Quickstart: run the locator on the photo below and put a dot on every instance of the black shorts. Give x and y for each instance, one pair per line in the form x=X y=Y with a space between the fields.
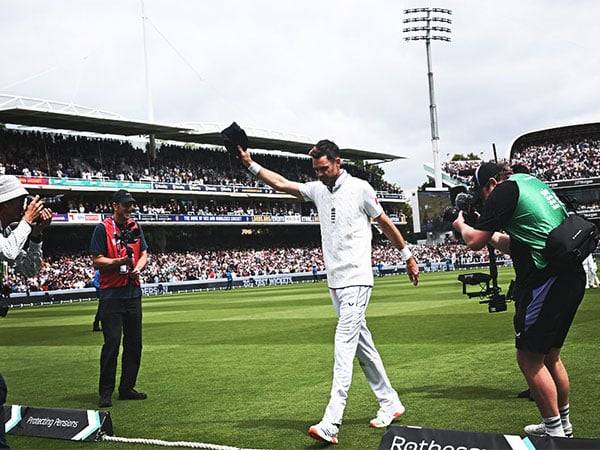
x=544 y=313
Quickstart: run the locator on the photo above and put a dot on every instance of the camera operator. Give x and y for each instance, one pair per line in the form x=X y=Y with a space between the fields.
x=119 y=252
x=526 y=210
x=31 y=222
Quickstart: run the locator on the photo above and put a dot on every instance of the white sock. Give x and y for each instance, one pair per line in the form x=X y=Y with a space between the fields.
x=554 y=426
x=565 y=419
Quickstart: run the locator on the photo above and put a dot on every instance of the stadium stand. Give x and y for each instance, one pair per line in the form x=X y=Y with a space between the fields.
x=75 y=271
x=154 y=204
x=568 y=159
x=554 y=161
x=35 y=154
x=461 y=170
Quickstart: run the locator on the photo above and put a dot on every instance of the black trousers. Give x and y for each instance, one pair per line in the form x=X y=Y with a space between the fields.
x=3 y=443
x=120 y=317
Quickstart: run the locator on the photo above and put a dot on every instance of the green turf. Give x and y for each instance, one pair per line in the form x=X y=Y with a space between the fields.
x=252 y=367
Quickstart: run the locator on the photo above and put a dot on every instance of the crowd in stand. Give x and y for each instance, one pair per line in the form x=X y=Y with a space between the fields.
x=165 y=205
x=34 y=154
x=550 y=161
x=189 y=206
x=563 y=161
x=591 y=206
x=461 y=170
x=76 y=271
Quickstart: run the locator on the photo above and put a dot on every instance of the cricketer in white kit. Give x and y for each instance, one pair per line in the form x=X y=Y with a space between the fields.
x=346 y=206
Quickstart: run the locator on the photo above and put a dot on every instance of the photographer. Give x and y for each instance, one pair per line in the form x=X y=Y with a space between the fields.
x=119 y=249
x=30 y=223
x=526 y=210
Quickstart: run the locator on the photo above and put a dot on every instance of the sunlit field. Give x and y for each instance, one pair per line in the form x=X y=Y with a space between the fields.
x=252 y=367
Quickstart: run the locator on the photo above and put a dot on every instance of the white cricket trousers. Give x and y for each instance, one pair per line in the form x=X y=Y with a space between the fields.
x=353 y=338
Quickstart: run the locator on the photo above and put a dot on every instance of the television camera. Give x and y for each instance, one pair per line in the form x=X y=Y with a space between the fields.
x=469 y=202
x=128 y=235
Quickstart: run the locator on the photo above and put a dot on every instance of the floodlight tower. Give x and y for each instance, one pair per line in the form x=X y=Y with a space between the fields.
x=425 y=32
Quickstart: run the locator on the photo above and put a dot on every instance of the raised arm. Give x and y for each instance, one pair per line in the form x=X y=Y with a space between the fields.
x=273 y=179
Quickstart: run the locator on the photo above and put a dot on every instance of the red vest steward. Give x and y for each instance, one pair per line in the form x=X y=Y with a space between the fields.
x=111 y=277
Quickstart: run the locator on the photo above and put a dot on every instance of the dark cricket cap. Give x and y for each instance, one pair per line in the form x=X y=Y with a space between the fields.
x=122 y=196
x=484 y=172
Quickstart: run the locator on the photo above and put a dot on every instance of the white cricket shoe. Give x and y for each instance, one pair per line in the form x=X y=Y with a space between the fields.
x=324 y=432
x=385 y=417
x=539 y=430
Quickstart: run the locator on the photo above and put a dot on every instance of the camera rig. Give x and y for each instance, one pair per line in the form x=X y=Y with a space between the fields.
x=490 y=295
x=128 y=235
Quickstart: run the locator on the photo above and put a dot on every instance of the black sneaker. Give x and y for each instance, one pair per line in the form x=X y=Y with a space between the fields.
x=96 y=327
x=132 y=394
x=105 y=401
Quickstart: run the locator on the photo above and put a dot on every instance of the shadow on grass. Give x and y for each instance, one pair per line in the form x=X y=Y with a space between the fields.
x=87 y=399
x=298 y=426
x=463 y=392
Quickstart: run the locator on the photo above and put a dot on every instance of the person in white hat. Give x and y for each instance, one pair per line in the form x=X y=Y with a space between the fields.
x=30 y=222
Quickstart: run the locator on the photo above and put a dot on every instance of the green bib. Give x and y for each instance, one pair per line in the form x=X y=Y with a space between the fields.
x=538 y=212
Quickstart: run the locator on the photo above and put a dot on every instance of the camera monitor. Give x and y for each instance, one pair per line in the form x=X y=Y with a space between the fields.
x=432 y=205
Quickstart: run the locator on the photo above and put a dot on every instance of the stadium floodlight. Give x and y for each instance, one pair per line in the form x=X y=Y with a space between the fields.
x=425 y=33
x=425 y=19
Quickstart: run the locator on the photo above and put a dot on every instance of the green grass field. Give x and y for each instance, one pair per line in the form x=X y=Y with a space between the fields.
x=252 y=367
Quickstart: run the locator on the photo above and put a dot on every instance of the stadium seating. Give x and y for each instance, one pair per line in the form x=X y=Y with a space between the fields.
x=28 y=153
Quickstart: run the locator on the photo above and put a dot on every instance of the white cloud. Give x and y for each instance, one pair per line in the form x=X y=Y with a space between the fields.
x=337 y=69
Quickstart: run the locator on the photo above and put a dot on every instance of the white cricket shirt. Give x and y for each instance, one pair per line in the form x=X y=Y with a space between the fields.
x=345 y=215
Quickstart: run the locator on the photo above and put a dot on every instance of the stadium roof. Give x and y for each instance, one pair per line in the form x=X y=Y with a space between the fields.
x=64 y=116
x=557 y=134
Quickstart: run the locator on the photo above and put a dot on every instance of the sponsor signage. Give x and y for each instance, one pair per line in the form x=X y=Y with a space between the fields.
x=113 y=184
x=33 y=180
x=409 y=438
x=154 y=289
x=416 y=438
x=56 y=217
x=390 y=196
x=84 y=218
x=548 y=443
x=573 y=183
x=76 y=218
x=267 y=280
x=250 y=190
x=261 y=218
x=70 y=424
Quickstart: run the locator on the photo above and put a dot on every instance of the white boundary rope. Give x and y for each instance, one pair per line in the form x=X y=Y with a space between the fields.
x=170 y=443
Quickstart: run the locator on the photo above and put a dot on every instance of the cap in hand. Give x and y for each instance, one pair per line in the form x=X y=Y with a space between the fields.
x=233 y=136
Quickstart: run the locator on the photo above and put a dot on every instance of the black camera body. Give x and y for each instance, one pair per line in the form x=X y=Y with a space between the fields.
x=127 y=236
x=56 y=202
x=463 y=200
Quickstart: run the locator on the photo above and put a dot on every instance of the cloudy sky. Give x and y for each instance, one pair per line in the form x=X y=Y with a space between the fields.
x=336 y=69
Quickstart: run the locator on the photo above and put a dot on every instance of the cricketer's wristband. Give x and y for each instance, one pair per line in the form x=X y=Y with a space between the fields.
x=254 y=168
x=406 y=253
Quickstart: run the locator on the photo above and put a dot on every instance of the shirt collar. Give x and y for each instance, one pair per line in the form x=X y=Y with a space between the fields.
x=340 y=180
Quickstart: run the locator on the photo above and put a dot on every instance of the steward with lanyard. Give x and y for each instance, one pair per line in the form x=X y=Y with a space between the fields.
x=119 y=249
